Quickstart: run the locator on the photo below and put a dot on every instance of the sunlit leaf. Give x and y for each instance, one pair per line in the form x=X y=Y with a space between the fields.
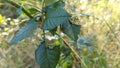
x=47 y=58
x=25 y=31
x=33 y=10
x=1 y=18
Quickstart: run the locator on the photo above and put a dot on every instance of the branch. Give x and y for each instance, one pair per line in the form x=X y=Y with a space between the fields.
x=71 y=47
x=18 y=6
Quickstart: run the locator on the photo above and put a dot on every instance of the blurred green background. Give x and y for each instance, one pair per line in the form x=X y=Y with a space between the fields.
x=102 y=25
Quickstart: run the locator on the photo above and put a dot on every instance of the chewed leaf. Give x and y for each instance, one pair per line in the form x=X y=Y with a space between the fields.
x=25 y=31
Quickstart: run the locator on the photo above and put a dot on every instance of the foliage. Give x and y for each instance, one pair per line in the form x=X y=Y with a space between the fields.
x=46 y=57
x=25 y=31
x=52 y=16
x=103 y=55
x=72 y=30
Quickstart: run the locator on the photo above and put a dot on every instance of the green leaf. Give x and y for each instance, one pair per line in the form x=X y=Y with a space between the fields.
x=72 y=30
x=25 y=31
x=47 y=58
x=55 y=15
x=32 y=10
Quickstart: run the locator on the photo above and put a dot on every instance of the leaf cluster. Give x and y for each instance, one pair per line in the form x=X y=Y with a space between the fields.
x=53 y=18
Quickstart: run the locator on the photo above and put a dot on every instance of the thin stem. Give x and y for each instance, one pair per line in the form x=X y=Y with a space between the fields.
x=18 y=6
x=43 y=3
x=77 y=56
x=71 y=47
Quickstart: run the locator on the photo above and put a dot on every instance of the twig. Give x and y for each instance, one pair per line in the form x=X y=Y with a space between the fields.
x=77 y=56
x=72 y=48
x=18 y=6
